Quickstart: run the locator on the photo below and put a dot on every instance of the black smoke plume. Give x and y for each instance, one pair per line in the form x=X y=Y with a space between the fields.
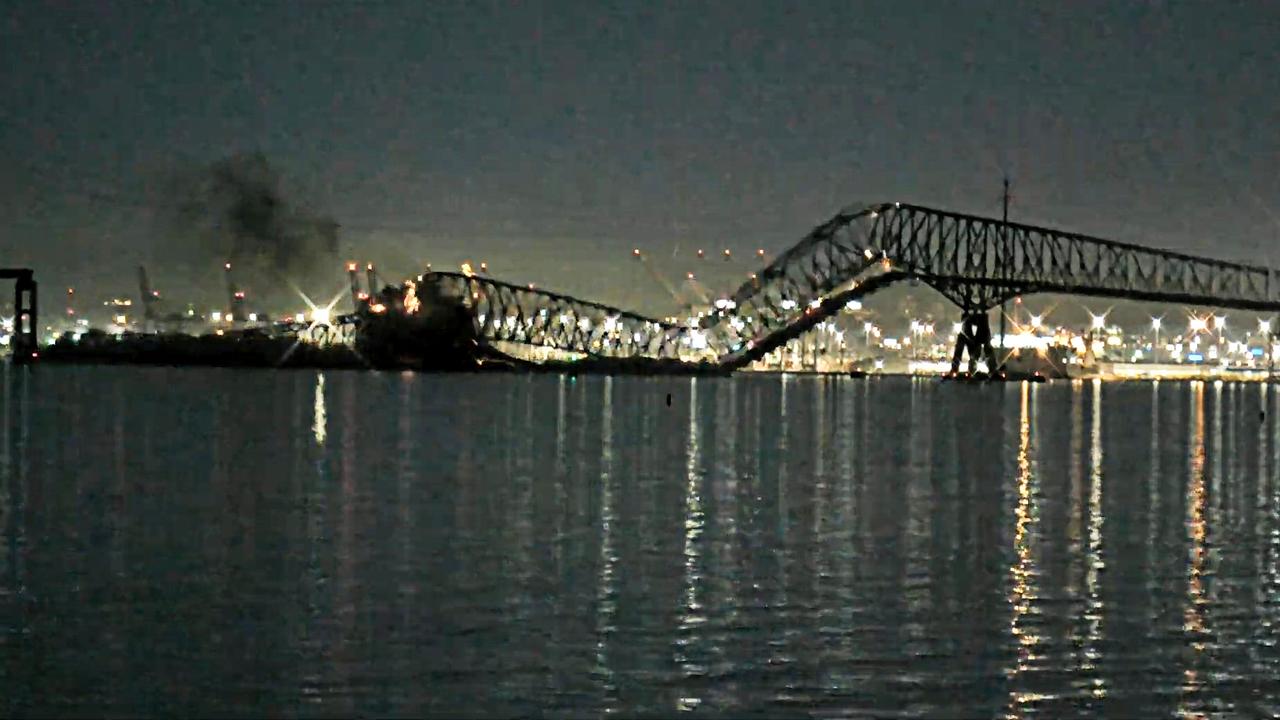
x=235 y=211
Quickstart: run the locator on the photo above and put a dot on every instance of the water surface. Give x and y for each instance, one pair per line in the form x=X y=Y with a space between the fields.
x=206 y=542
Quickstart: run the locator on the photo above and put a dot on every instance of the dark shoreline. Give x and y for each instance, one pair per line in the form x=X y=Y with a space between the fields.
x=267 y=352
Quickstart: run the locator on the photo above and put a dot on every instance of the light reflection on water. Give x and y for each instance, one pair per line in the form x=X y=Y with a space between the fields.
x=192 y=542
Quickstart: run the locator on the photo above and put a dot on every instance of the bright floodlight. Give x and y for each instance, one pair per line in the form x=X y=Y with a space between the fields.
x=1198 y=324
x=1035 y=321
x=320 y=316
x=1219 y=322
x=1264 y=326
x=1099 y=321
x=1155 y=323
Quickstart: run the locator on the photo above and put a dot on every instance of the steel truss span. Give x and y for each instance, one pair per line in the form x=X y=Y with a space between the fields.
x=975 y=262
x=507 y=313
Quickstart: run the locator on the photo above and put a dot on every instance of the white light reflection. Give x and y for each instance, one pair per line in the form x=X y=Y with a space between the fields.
x=1095 y=563
x=1193 y=617
x=1023 y=591
x=1153 y=481
x=691 y=616
x=607 y=591
x=319 y=422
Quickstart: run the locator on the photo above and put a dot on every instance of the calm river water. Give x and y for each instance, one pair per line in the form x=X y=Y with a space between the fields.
x=203 y=542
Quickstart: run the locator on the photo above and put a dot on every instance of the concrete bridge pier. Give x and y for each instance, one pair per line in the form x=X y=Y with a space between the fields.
x=974 y=340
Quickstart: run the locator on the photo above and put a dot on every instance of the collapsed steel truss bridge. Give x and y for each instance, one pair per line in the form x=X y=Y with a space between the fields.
x=977 y=263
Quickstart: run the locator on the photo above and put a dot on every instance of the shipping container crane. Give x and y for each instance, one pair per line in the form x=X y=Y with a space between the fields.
x=149 y=298
x=235 y=297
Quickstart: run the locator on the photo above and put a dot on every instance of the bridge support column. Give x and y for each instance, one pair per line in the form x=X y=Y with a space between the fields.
x=25 y=320
x=974 y=340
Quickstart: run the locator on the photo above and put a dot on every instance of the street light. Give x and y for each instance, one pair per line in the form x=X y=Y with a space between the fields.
x=1198 y=325
x=1035 y=321
x=1099 y=321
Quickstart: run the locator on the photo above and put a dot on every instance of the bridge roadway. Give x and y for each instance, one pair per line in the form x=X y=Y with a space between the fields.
x=975 y=262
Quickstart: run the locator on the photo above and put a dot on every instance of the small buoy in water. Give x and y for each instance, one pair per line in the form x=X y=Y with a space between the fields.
x=668 y=399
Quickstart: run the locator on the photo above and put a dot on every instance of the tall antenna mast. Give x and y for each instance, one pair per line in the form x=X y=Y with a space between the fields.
x=1004 y=274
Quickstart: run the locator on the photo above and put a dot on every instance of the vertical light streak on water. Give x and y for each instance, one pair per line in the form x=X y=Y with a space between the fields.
x=315 y=509
x=778 y=656
x=919 y=510
x=1269 y=585
x=319 y=419
x=1023 y=591
x=1261 y=528
x=559 y=464
x=843 y=611
x=726 y=515
x=820 y=430
x=784 y=510
x=526 y=465
x=1075 y=514
x=692 y=618
x=1094 y=609
x=1190 y=704
x=1153 y=491
x=1219 y=518
x=1216 y=493
x=406 y=471
x=820 y=591
x=607 y=590
x=521 y=593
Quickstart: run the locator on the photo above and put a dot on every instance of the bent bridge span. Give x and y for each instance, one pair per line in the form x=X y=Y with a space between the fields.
x=975 y=262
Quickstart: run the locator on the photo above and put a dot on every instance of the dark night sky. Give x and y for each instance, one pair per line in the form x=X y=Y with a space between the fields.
x=550 y=138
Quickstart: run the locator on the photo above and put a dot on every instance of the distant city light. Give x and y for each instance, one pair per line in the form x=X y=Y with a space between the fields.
x=1198 y=324
x=1098 y=321
x=1220 y=322
x=1155 y=323
x=1035 y=321
x=320 y=316
x=215 y=316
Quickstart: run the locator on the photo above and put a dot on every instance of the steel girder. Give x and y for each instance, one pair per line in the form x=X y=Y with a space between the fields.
x=503 y=312
x=979 y=262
